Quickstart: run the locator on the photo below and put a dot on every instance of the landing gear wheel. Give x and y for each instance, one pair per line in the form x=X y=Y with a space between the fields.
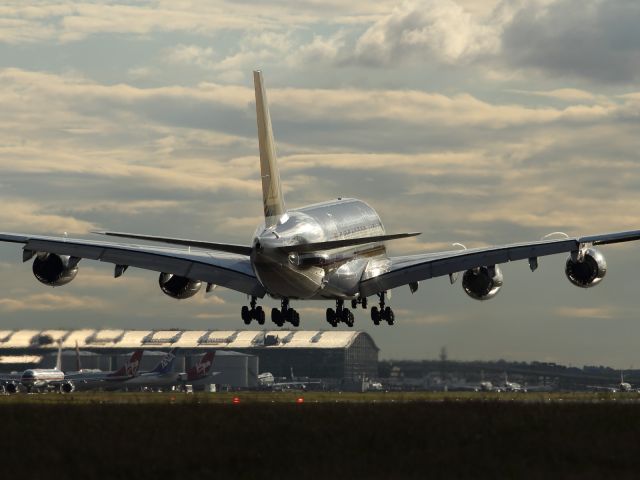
x=375 y=315
x=331 y=317
x=293 y=317
x=246 y=315
x=389 y=316
x=260 y=316
x=364 y=302
x=354 y=303
x=276 y=317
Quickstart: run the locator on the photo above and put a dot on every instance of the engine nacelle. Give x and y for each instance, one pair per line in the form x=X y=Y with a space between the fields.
x=11 y=387
x=67 y=387
x=178 y=287
x=586 y=273
x=482 y=283
x=55 y=270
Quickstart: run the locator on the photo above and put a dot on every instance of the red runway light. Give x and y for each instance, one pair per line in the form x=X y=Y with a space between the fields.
x=236 y=400
x=300 y=400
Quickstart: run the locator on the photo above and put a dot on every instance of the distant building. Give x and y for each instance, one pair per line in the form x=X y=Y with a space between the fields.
x=336 y=356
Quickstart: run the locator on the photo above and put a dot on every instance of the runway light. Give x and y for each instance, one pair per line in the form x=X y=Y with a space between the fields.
x=299 y=400
x=235 y=400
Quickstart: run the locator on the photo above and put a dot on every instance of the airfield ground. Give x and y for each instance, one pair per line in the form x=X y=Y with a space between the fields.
x=330 y=435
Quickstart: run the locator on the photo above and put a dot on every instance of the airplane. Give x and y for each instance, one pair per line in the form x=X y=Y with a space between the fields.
x=333 y=251
x=161 y=373
x=38 y=379
x=200 y=372
x=89 y=379
x=266 y=380
x=620 y=387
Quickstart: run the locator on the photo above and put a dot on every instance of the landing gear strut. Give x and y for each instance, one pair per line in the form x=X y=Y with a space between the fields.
x=340 y=314
x=285 y=314
x=383 y=313
x=361 y=300
x=253 y=313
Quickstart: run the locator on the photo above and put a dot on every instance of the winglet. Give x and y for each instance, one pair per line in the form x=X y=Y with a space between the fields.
x=272 y=199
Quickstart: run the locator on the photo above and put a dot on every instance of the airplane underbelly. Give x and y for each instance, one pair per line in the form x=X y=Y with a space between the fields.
x=281 y=280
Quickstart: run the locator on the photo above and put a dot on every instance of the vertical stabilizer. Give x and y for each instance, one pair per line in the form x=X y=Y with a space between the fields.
x=272 y=199
x=59 y=357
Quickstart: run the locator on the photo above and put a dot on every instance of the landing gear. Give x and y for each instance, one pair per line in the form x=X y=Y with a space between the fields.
x=254 y=313
x=383 y=313
x=285 y=314
x=340 y=314
x=362 y=301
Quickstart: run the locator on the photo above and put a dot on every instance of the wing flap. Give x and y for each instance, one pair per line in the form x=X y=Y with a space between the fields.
x=222 y=247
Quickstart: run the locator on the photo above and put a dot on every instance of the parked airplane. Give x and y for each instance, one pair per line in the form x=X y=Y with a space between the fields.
x=328 y=251
x=89 y=379
x=160 y=375
x=38 y=379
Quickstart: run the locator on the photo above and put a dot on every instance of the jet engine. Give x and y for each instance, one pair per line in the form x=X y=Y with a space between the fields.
x=67 y=387
x=178 y=287
x=55 y=270
x=11 y=387
x=587 y=272
x=482 y=283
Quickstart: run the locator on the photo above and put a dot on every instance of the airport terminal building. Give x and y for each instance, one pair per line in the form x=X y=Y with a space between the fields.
x=337 y=357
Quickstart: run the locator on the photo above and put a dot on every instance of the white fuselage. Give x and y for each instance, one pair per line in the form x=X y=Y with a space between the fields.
x=41 y=377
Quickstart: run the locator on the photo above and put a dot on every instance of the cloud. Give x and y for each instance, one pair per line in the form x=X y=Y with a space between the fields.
x=439 y=29
x=47 y=302
x=600 y=313
x=589 y=39
x=17 y=214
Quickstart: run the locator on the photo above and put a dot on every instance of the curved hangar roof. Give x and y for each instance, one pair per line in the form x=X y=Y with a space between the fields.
x=231 y=339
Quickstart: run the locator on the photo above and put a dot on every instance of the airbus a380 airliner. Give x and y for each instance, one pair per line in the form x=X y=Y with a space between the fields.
x=331 y=251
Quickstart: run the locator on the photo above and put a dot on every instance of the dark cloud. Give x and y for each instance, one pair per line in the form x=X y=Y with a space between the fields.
x=590 y=39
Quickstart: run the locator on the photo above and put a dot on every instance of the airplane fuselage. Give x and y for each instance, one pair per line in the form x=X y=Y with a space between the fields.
x=324 y=274
x=40 y=377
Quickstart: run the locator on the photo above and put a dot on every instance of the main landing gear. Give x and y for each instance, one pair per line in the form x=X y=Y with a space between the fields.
x=255 y=313
x=383 y=313
x=285 y=314
x=340 y=314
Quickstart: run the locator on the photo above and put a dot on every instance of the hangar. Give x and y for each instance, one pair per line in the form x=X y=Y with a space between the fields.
x=337 y=357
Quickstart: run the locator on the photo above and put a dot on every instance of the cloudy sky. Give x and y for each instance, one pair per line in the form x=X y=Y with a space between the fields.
x=474 y=121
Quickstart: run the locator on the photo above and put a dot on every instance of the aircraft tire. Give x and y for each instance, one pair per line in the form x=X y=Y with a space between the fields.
x=389 y=315
x=245 y=314
x=331 y=317
x=375 y=315
x=260 y=316
x=276 y=317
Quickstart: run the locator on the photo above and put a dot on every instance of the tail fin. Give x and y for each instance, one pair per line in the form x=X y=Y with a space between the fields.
x=129 y=369
x=59 y=357
x=165 y=364
x=202 y=368
x=272 y=199
x=78 y=363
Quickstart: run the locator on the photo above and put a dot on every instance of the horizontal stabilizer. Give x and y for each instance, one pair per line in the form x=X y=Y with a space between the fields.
x=221 y=247
x=331 y=244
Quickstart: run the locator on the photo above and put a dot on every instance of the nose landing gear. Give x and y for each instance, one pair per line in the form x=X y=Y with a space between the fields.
x=253 y=313
x=384 y=313
x=285 y=314
x=340 y=314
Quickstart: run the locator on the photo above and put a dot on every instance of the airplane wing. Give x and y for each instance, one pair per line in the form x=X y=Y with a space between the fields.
x=393 y=272
x=229 y=270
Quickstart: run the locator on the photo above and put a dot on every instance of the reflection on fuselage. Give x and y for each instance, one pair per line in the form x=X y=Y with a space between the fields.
x=318 y=274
